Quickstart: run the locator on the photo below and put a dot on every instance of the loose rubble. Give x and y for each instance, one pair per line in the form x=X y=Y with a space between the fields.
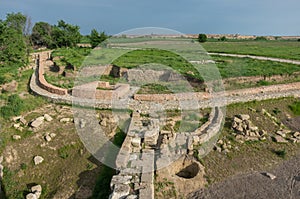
x=246 y=130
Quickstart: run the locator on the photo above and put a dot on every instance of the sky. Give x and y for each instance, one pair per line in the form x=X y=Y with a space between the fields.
x=245 y=17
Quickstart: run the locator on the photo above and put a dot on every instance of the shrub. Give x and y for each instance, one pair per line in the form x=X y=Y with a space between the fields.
x=280 y=153
x=13 y=107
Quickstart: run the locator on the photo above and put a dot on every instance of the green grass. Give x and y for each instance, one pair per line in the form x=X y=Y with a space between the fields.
x=295 y=108
x=73 y=56
x=279 y=49
x=236 y=67
x=156 y=56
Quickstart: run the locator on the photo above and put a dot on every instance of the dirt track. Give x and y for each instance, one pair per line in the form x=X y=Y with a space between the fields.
x=258 y=186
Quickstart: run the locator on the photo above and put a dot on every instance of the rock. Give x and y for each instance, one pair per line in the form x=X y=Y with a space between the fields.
x=136 y=142
x=218 y=149
x=23 y=121
x=270 y=175
x=38 y=160
x=48 y=138
x=244 y=117
x=52 y=135
x=1 y=171
x=37 y=122
x=48 y=118
x=37 y=190
x=103 y=122
x=280 y=139
x=239 y=137
x=281 y=133
x=16 y=126
x=16 y=137
x=82 y=123
x=296 y=134
x=31 y=196
x=132 y=197
x=237 y=120
x=239 y=129
x=120 y=191
x=220 y=142
x=251 y=139
x=65 y=120
x=17 y=118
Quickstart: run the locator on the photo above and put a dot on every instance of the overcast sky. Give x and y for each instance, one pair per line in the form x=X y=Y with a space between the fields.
x=250 y=17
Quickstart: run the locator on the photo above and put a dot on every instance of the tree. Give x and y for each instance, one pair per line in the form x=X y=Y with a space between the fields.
x=96 y=38
x=202 y=38
x=41 y=34
x=13 y=51
x=223 y=38
x=65 y=35
x=16 y=21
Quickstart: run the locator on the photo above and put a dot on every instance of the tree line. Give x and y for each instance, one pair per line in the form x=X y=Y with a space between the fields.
x=18 y=37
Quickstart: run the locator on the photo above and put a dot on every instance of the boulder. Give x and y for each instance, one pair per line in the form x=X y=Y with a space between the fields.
x=38 y=160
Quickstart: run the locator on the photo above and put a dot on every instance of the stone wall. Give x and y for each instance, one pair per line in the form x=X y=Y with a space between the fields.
x=172 y=97
x=44 y=84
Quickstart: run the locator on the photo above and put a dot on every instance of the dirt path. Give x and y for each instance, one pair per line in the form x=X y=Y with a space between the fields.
x=258 y=58
x=256 y=185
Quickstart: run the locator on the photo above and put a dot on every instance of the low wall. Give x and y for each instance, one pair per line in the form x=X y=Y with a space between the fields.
x=45 y=85
x=171 y=97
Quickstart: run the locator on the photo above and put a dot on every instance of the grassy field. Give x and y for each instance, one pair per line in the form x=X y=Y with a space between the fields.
x=236 y=67
x=279 y=49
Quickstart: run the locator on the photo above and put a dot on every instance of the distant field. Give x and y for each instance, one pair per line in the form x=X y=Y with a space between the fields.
x=279 y=49
x=236 y=67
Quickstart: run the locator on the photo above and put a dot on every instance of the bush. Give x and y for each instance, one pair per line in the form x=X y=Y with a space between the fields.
x=298 y=40
x=280 y=153
x=13 y=107
x=202 y=38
